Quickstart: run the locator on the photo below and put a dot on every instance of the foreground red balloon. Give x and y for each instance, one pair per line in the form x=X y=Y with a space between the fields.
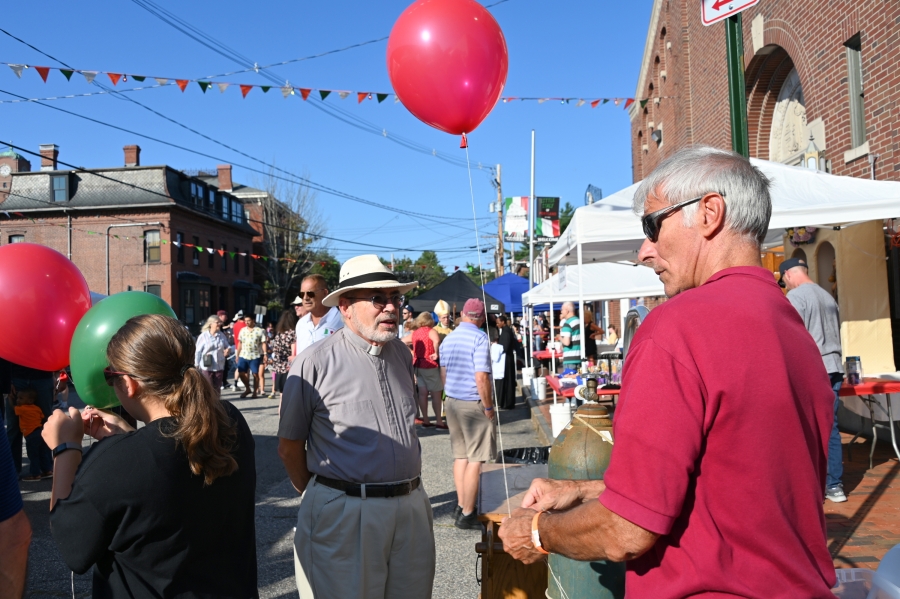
x=43 y=296
x=447 y=61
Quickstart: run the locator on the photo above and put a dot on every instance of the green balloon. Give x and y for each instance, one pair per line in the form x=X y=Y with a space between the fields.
x=87 y=354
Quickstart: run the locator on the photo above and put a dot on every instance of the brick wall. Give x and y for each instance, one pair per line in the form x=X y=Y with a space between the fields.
x=127 y=267
x=810 y=35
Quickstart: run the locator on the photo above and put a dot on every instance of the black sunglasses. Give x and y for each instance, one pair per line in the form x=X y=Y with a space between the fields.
x=380 y=301
x=111 y=375
x=309 y=294
x=653 y=221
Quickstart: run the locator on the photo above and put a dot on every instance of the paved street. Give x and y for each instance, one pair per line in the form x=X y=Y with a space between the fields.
x=277 y=507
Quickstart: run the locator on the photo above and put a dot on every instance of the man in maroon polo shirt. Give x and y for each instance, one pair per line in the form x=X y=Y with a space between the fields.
x=721 y=434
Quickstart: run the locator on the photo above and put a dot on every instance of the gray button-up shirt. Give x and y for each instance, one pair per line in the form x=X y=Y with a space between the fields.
x=355 y=410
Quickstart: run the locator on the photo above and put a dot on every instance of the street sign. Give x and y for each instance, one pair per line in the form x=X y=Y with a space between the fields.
x=713 y=11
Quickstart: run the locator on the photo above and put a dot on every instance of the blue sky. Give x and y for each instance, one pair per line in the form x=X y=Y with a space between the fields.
x=587 y=48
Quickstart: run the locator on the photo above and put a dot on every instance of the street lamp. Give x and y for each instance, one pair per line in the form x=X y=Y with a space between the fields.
x=814 y=158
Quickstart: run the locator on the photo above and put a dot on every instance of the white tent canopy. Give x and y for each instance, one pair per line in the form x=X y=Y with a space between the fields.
x=595 y=282
x=608 y=231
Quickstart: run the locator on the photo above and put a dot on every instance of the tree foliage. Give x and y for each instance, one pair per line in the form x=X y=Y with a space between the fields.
x=427 y=270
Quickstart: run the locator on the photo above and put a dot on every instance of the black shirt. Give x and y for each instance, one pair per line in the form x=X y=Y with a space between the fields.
x=151 y=528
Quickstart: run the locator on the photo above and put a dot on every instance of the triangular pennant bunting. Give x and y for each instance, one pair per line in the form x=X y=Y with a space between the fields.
x=629 y=102
x=221 y=253
x=232 y=254
x=43 y=72
x=286 y=91
x=580 y=103
x=644 y=103
x=381 y=97
x=222 y=87
x=304 y=93
x=211 y=250
x=138 y=78
x=182 y=84
x=67 y=73
x=360 y=96
x=162 y=80
x=343 y=95
x=114 y=77
x=17 y=69
x=176 y=244
x=265 y=88
x=89 y=75
x=323 y=93
x=245 y=89
x=594 y=103
x=203 y=85
x=605 y=100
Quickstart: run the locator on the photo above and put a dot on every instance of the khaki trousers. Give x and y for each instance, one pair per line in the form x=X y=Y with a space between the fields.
x=353 y=548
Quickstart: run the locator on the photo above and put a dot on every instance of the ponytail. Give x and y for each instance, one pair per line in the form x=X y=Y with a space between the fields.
x=159 y=352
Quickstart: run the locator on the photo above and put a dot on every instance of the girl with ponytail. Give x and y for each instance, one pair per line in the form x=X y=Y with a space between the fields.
x=167 y=509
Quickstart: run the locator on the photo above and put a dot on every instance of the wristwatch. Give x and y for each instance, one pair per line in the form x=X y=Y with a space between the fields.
x=536 y=536
x=66 y=447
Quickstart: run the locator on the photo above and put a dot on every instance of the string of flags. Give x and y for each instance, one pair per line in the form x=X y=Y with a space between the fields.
x=286 y=90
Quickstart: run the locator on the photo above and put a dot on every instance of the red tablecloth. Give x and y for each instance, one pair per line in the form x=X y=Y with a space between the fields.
x=544 y=354
x=869 y=386
x=570 y=391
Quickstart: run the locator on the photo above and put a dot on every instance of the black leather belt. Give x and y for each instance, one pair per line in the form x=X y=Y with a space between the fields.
x=371 y=489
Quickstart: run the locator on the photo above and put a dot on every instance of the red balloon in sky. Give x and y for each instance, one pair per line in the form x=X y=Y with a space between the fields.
x=447 y=61
x=44 y=296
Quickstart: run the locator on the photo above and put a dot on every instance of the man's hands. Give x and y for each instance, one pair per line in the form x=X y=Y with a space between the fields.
x=100 y=424
x=547 y=494
x=515 y=532
x=63 y=428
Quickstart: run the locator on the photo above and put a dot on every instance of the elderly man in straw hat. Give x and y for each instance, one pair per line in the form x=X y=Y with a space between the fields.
x=443 y=328
x=348 y=441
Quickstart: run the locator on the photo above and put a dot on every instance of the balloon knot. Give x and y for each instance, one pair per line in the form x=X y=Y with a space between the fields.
x=464 y=143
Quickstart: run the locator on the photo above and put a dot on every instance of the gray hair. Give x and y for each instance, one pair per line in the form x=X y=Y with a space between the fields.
x=699 y=170
x=209 y=321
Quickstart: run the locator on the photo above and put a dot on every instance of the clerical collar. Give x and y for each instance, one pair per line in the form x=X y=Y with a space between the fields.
x=375 y=350
x=355 y=339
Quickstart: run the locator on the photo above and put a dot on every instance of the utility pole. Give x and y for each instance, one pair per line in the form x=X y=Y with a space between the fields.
x=500 y=269
x=737 y=95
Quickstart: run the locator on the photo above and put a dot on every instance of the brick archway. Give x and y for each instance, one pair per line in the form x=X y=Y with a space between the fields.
x=765 y=76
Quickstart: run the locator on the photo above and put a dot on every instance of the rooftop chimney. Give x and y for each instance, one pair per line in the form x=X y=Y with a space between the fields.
x=49 y=154
x=225 y=177
x=132 y=155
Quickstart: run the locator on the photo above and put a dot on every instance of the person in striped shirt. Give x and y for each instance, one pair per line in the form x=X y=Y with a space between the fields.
x=570 y=336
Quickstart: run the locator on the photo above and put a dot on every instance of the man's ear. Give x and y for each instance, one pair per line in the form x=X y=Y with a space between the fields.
x=712 y=214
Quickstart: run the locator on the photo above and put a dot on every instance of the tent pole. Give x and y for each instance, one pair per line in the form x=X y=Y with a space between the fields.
x=552 y=337
x=580 y=298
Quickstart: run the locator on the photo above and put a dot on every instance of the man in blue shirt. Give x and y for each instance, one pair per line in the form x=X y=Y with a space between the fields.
x=466 y=372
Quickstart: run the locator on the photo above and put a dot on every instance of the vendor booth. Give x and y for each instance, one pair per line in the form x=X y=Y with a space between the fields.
x=455 y=290
x=837 y=224
x=508 y=289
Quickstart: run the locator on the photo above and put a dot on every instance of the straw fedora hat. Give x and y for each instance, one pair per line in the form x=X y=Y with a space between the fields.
x=365 y=272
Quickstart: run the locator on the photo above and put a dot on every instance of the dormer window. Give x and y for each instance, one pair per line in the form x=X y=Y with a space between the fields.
x=59 y=188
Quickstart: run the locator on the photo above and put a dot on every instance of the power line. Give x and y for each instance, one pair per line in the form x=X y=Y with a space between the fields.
x=168 y=198
x=302 y=180
x=295 y=180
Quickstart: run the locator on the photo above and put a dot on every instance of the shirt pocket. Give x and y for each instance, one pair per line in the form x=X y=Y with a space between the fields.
x=356 y=414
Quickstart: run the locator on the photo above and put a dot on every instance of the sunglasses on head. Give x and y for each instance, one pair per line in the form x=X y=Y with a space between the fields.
x=379 y=301
x=110 y=375
x=653 y=222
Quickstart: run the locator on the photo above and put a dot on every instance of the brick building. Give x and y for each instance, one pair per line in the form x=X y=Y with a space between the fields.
x=820 y=72
x=125 y=228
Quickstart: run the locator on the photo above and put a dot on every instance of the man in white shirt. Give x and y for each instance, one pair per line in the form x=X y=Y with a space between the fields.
x=320 y=321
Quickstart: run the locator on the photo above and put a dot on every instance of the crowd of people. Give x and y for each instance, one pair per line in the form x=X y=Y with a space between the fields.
x=690 y=499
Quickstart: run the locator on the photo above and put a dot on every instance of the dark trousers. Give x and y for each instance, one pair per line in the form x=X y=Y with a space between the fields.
x=44 y=389
x=835 y=472
x=38 y=453
x=215 y=377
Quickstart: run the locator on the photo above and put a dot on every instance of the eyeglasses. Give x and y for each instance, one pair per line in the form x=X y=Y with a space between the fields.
x=380 y=301
x=653 y=221
x=111 y=375
x=307 y=294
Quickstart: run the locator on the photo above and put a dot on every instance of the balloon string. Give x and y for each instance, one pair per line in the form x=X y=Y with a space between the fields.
x=496 y=408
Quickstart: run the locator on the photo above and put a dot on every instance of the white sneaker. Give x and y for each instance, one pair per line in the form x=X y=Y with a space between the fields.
x=836 y=494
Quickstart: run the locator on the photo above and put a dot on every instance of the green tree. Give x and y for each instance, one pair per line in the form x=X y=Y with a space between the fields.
x=479 y=278
x=323 y=263
x=427 y=270
x=565 y=217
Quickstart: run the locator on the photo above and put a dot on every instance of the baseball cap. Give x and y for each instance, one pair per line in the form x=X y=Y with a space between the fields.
x=297 y=300
x=221 y=313
x=787 y=265
x=474 y=308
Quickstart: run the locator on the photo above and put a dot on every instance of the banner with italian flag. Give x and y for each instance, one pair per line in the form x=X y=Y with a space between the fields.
x=546 y=225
